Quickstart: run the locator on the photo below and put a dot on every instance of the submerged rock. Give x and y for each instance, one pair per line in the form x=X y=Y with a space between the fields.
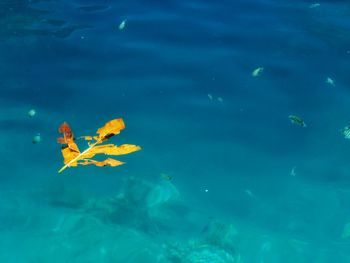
x=193 y=252
x=161 y=194
x=21 y=18
x=93 y=8
x=63 y=196
x=84 y=238
x=222 y=235
x=209 y=254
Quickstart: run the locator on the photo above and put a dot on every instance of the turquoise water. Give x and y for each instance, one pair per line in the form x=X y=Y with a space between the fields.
x=223 y=174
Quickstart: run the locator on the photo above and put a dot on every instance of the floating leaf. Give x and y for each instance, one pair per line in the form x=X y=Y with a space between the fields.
x=110 y=129
x=66 y=132
x=107 y=162
x=111 y=149
x=69 y=155
x=68 y=138
x=89 y=138
x=73 y=157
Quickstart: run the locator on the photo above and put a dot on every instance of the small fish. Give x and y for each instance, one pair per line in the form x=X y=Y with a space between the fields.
x=36 y=138
x=249 y=193
x=122 y=25
x=314 y=5
x=207 y=226
x=346 y=231
x=297 y=120
x=31 y=113
x=330 y=81
x=221 y=100
x=210 y=96
x=256 y=72
x=346 y=132
x=205 y=229
x=292 y=172
x=166 y=177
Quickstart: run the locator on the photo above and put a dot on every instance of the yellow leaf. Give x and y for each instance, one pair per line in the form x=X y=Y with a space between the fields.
x=73 y=157
x=107 y=162
x=111 y=149
x=110 y=129
x=73 y=146
x=69 y=155
x=89 y=138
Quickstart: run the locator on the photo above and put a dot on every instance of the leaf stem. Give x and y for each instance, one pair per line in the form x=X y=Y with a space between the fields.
x=79 y=156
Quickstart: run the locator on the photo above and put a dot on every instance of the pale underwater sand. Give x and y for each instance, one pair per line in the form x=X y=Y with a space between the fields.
x=232 y=196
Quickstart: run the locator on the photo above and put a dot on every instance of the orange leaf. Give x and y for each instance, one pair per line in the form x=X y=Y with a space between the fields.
x=67 y=133
x=68 y=137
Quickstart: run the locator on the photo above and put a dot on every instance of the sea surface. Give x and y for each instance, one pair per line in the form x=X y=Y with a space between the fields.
x=207 y=90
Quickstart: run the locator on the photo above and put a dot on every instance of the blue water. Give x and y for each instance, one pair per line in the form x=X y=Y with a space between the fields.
x=242 y=184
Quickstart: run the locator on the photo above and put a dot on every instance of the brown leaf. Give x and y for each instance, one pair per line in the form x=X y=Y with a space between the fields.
x=66 y=132
x=68 y=137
